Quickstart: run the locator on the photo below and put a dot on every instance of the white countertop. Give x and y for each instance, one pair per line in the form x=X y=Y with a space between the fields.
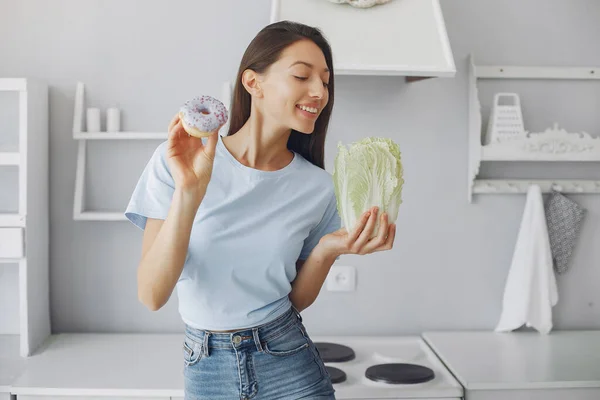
x=483 y=360
x=151 y=366
x=148 y=365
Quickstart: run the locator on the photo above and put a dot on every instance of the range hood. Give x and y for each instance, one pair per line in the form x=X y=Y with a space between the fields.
x=399 y=37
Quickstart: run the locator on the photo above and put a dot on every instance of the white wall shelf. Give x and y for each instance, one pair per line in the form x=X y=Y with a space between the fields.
x=121 y=136
x=24 y=234
x=79 y=212
x=13 y=85
x=12 y=158
x=10 y=260
x=552 y=145
x=10 y=219
x=404 y=38
x=101 y=216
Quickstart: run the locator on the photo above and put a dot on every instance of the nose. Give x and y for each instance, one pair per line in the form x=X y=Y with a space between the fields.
x=317 y=90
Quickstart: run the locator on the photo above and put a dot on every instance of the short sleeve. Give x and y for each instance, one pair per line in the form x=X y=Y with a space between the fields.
x=153 y=193
x=330 y=222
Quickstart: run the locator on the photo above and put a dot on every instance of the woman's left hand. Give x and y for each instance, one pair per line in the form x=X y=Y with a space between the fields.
x=358 y=242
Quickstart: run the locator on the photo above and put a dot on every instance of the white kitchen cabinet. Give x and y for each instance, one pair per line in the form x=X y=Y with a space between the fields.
x=535 y=394
x=446 y=398
x=11 y=363
x=24 y=227
x=42 y=397
x=404 y=38
x=522 y=365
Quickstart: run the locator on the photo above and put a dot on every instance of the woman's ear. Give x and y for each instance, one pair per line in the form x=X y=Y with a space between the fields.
x=250 y=80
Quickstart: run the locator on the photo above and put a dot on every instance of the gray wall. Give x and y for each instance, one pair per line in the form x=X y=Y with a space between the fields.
x=448 y=267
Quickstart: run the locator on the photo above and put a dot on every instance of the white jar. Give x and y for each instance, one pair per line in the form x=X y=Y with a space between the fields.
x=92 y=119
x=113 y=120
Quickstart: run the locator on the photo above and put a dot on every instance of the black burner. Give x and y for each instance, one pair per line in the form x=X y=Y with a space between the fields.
x=399 y=373
x=331 y=352
x=337 y=375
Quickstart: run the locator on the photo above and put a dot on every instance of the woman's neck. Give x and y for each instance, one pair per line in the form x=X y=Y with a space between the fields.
x=260 y=145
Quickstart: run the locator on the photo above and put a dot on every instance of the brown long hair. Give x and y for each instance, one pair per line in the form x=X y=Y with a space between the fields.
x=263 y=51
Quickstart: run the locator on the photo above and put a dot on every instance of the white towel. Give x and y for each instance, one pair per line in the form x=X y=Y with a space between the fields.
x=530 y=291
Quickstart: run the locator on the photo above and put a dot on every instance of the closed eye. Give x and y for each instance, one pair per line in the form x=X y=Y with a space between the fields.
x=303 y=78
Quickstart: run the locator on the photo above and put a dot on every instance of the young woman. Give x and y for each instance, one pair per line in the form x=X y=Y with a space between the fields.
x=246 y=226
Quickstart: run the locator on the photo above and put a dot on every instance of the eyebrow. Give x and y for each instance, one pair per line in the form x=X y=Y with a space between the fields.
x=308 y=65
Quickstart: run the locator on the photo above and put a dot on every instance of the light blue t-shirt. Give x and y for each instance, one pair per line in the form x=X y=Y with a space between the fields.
x=250 y=229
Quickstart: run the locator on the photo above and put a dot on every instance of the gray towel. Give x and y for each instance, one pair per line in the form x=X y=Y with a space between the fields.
x=564 y=218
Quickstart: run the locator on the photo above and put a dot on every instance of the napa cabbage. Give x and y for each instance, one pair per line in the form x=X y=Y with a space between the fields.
x=366 y=174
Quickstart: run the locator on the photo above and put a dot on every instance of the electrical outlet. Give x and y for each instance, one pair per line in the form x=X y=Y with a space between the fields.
x=341 y=278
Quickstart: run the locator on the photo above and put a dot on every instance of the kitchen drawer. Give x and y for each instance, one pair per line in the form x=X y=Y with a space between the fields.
x=42 y=397
x=11 y=242
x=535 y=394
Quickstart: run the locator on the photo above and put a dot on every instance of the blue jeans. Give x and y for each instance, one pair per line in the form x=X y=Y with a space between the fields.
x=276 y=360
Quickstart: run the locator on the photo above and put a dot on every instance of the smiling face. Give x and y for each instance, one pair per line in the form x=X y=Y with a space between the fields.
x=294 y=90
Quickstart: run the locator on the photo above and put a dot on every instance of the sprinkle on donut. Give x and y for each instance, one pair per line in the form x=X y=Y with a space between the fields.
x=204 y=113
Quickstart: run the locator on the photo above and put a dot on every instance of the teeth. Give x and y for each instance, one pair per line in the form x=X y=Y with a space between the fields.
x=309 y=109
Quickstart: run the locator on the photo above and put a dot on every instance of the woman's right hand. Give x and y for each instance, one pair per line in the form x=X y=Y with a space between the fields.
x=190 y=161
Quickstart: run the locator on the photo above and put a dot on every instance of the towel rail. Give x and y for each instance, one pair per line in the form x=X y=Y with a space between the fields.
x=487 y=186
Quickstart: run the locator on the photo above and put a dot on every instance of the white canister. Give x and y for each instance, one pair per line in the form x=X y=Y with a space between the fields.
x=92 y=119
x=113 y=120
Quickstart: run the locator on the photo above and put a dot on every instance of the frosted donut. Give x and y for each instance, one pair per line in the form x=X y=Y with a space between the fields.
x=202 y=115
